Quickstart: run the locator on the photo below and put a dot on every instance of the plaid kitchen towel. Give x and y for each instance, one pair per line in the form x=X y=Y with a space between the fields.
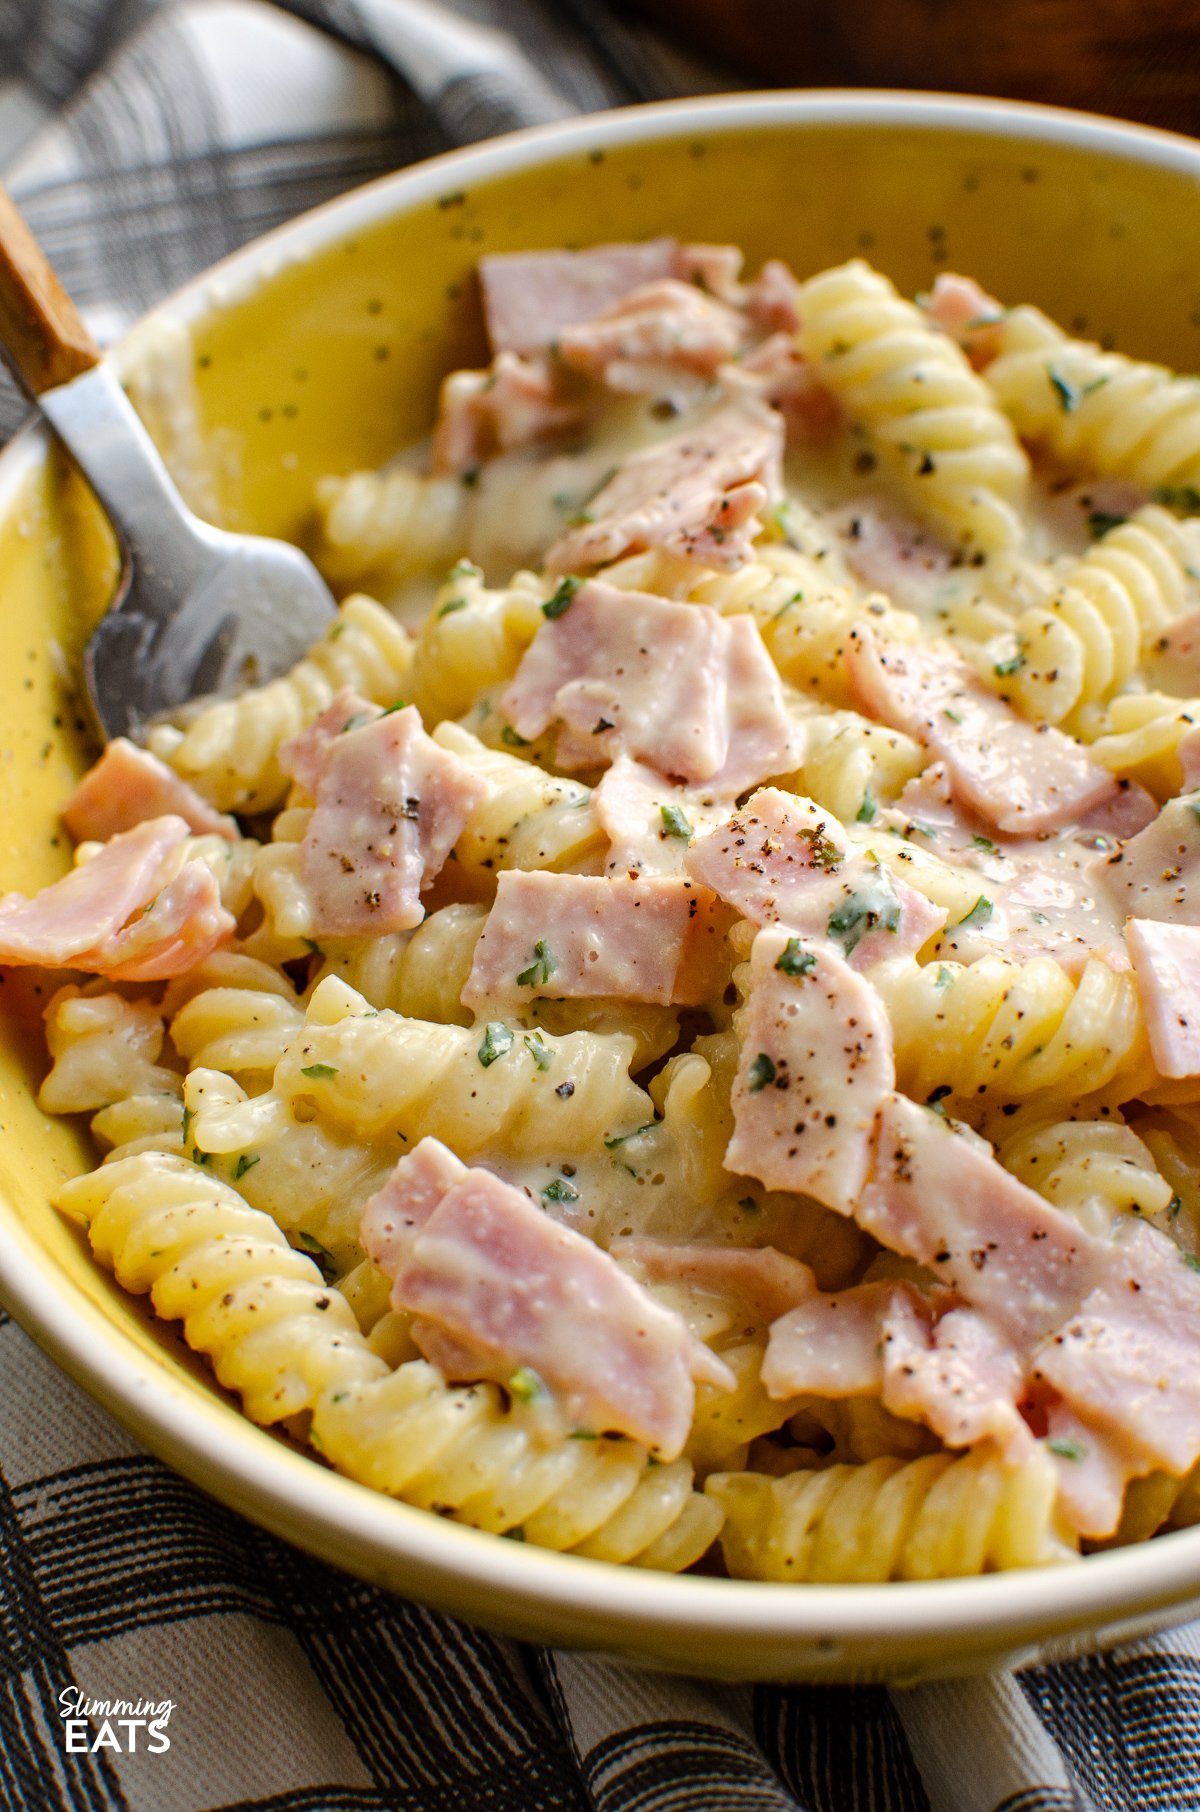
x=143 y=144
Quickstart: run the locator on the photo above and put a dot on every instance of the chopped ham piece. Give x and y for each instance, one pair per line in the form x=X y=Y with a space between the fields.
x=832 y=1344
x=771 y=300
x=1166 y=967
x=815 y=1069
x=128 y=785
x=692 y=693
x=530 y=297
x=781 y=860
x=1129 y=812
x=942 y=1199
x=1020 y=778
x=779 y=373
x=1156 y=874
x=1126 y=1361
x=892 y=552
x=969 y=315
x=304 y=755
x=714 y=268
x=571 y=937
x=472 y=1257
x=695 y=494
x=652 y=336
x=480 y=413
x=760 y=1279
x=1092 y=1469
x=390 y=806
x=957 y=1375
x=649 y=822
x=130 y=911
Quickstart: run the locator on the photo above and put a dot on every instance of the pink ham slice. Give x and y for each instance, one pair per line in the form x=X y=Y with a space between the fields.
x=1156 y=874
x=649 y=822
x=652 y=337
x=779 y=373
x=304 y=756
x=1021 y=779
x=390 y=805
x=771 y=301
x=1126 y=1361
x=691 y=693
x=956 y=1374
x=782 y=860
x=487 y=1272
x=481 y=413
x=814 y=1071
x=1166 y=967
x=128 y=785
x=832 y=1344
x=762 y=1281
x=696 y=494
x=941 y=1198
x=586 y=937
x=960 y=308
x=131 y=911
x=713 y=268
x=530 y=297
x=892 y=552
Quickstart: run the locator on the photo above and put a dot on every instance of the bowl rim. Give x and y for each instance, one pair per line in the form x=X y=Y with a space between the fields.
x=247 y=1468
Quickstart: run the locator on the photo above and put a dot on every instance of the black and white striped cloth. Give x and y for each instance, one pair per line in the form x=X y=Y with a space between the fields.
x=142 y=144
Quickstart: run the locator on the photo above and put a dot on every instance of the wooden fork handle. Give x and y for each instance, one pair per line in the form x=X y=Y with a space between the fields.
x=42 y=336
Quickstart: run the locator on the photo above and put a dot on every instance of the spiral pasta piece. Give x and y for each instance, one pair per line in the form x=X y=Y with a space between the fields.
x=261 y=1311
x=1098 y=1171
x=933 y=422
x=1085 y=641
x=472 y=640
x=388 y=526
x=1092 y=412
x=1139 y=735
x=462 y=1452
x=1005 y=1030
x=531 y=819
x=936 y=1517
x=229 y=751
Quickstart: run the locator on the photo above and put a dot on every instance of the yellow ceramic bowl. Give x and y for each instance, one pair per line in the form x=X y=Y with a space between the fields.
x=319 y=350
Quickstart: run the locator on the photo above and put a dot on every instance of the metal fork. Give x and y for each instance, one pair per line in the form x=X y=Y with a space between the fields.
x=197 y=611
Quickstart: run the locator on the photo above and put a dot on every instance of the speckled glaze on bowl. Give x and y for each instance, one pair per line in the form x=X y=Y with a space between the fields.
x=319 y=349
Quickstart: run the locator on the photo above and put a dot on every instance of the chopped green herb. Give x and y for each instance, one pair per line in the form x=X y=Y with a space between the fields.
x=675 y=824
x=749 y=1204
x=540 y=1052
x=320 y=1072
x=795 y=961
x=497 y=1040
x=1173 y=1207
x=1194 y=807
x=1066 y=1449
x=1039 y=918
x=583 y=1434
x=922 y=830
x=509 y=735
x=1068 y=396
x=321 y=1257
x=201 y=1157
x=623 y=1138
x=942 y=979
x=980 y=912
x=525 y=1384
x=874 y=904
x=1101 y=521
x=1183 y=497
x=1005 y=669
x=540 y=969
x=517 y=1534
x=954 y=716
x=188 y=1117
x=246 y=1162
x=984 y=843
x=355 y=723
x=761 y=1071
x=560 y=602
x=310 y=945
x=866 y=810
x=450 y=606
x=1191 y=1261
x=463 y=569
x=559 y=1190
x=797 y=597
x=398 y=704
x=470 y=477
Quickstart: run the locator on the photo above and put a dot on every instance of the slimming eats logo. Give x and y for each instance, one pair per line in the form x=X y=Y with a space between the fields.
x=119 y=1721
